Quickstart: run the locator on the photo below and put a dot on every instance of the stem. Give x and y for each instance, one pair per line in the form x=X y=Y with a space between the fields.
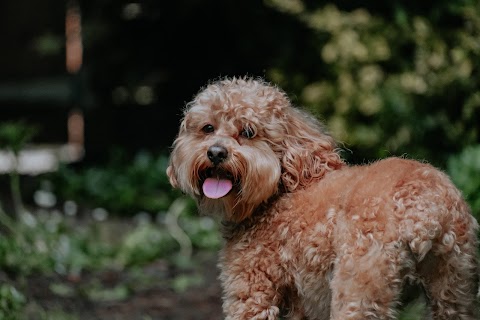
x=171 y=221
x=6 y=220
x=16 y=194
x=15 y=188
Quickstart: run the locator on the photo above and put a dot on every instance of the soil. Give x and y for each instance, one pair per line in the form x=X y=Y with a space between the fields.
x=145 y=294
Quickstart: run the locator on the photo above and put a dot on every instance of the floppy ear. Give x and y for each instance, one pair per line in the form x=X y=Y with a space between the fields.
x=308 y=151
x=171 y=176
x=173 y=162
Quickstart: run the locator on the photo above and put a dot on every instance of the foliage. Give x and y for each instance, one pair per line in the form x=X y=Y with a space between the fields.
x=11 y=302
x=413 y=311
x=51 y=242
x=122 y=186
x=15 y=135
x=402 y=80
x=47 y=243
x=464 y=168
x=144 y=244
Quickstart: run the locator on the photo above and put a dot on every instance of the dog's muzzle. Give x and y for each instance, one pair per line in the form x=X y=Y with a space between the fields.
x=217 y=183
x=217 y=154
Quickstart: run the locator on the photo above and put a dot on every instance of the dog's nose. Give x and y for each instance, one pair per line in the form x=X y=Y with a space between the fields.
x=217 y=154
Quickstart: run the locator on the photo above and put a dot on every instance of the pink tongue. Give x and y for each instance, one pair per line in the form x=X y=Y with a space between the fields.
x=216 y=188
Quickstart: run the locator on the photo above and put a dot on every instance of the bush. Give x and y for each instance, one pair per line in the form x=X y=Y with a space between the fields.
x=48 y=242
x=11 y=302
x=390 y=79
x=464 y=168
x=123 y=186
x=51 y=242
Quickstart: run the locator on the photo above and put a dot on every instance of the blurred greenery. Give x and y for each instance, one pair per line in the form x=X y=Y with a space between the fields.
x=464 y=168
x=50 y=241
x=11 y=302
x=14 y=136
x=123 y=186
x=404 y=80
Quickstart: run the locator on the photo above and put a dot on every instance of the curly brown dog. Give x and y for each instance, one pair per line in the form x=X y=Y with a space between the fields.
x=308 y=236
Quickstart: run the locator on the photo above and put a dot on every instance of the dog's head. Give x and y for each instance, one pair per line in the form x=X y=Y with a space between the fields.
x=241 y=142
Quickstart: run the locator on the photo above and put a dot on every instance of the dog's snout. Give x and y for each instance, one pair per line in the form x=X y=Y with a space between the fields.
x=217 y=154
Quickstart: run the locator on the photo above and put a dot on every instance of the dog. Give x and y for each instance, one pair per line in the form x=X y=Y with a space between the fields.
x=308 y=236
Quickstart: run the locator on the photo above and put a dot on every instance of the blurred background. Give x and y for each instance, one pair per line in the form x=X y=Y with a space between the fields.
x=91 y=95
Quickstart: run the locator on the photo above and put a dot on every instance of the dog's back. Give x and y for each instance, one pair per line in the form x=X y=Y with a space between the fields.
x=398 y=203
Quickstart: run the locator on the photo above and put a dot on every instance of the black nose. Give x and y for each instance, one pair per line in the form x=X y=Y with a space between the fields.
x=217 y=154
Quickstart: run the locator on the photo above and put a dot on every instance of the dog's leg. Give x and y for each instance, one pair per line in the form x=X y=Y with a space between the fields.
x=367 y=281
x=451 y=284
x=245 y=301
x=251 y=288
x=443 y=240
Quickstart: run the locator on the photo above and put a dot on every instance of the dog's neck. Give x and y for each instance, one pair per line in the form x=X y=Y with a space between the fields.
x=230 y=229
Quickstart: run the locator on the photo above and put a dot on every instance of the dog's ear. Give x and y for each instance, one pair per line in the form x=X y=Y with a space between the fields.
x=172 y=167
x=171 y=176
x=308 y=151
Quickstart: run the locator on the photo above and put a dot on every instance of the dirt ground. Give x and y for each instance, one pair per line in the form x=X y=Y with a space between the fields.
x=149 y=296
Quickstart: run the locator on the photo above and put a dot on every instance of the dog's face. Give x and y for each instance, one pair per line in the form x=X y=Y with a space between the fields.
x=240 y=143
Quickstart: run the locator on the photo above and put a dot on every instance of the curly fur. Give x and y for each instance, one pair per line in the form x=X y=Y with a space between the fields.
x=309 y=237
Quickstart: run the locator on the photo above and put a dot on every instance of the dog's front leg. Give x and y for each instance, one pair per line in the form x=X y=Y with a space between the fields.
x=251 y=289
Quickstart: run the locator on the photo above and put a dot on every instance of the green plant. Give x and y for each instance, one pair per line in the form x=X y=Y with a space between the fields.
x=11 y=302
x=50 y=242
x=122 y=187
x=413 y=311
x=144 y=244
x=464 y=168
x=400 y=79
x=55 y=244
x=14 y=136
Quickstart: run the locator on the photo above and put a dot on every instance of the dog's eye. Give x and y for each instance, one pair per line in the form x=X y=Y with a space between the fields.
x=208 y=128
x=248 y=133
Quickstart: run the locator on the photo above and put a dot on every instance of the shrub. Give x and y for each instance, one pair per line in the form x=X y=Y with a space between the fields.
x=389 y=79
x=11 y=302
x=464 y=168
x=123 y=186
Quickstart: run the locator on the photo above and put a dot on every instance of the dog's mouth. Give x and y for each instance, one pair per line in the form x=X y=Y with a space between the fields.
x=216 y=183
